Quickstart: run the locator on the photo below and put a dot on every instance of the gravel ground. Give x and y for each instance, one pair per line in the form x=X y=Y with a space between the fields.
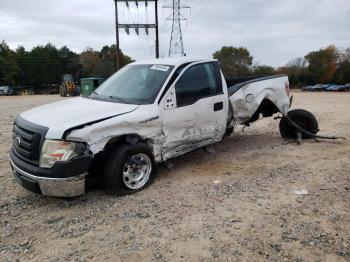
x=234 y=202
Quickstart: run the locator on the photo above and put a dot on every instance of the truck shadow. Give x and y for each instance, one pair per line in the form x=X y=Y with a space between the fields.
x=239 y=146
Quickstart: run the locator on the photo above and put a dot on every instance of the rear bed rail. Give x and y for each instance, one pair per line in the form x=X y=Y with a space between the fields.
x=237 y=84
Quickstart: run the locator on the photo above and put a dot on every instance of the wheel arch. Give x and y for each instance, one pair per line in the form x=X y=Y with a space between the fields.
x=126 y=138
x=267 y=108
x=101 y=157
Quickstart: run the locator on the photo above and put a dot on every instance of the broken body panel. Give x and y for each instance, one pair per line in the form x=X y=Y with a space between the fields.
x=246 y=101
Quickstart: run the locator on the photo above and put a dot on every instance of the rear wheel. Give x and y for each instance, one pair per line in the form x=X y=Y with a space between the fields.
x=305 y=119
x=129 y=169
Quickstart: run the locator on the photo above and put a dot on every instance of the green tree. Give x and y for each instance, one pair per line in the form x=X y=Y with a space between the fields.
x=342 y=74
x=234 y=61
x=105 y=52
x=68 y=59
x=103 y=63
x=263 y=70
x=89 y=60
x=297 y=72
x=104 y=68
x=123 y=59
x=69 y=62
x=322 y=64
x=44 y=65
x=8 y=66
x=21 y=60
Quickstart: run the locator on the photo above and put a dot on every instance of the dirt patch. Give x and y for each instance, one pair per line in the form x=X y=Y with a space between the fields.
x=234 y=202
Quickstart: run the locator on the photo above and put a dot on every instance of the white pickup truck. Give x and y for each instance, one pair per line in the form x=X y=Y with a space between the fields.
x=146 y=113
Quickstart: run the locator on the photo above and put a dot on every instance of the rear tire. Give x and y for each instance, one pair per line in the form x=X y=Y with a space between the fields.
x=302 y=118
x=129 y=169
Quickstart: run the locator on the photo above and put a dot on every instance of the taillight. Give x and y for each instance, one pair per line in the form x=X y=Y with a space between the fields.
x=287 y=88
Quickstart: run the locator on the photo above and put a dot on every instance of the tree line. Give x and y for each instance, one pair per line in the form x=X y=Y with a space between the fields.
x=327 y=65
x=46 y=64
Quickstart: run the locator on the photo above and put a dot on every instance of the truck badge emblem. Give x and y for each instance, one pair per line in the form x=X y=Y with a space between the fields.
x=18 y=141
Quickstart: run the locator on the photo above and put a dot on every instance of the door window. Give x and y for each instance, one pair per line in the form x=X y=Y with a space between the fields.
x=197 y=82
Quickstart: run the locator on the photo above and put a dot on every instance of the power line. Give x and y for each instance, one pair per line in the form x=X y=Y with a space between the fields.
x=133 y=21
x=136 y=26
x=196 y=6
x=201 y=11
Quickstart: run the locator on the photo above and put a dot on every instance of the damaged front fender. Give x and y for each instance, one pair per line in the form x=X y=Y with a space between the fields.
x=144 y=122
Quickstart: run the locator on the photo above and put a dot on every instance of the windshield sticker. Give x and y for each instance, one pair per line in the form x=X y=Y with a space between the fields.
x=160 y=68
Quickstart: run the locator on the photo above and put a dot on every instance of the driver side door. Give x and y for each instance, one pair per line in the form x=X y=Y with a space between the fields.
x=194 y=110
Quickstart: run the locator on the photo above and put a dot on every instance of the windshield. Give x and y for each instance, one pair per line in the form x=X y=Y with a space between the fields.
x=134 y=84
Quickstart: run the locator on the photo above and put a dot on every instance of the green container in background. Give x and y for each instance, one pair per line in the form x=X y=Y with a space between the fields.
x=89 y=85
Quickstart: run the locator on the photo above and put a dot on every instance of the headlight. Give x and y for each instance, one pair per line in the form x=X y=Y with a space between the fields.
x=59 y=150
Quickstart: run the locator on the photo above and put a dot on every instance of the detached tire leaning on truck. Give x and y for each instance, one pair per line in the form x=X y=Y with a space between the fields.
x=129 y=169
x=302 y=118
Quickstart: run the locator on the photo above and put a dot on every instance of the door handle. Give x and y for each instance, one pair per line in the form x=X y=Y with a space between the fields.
x=218 y=106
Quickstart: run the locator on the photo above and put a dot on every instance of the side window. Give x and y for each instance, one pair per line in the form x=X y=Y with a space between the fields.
x=198 y=81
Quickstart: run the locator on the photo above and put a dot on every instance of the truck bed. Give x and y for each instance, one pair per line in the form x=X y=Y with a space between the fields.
x=251 y=95
x=236 y=83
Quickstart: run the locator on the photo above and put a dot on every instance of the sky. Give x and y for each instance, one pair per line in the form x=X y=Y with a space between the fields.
x=274 y=31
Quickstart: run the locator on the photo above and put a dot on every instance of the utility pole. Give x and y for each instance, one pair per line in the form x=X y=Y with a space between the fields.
x=117 y=66
x=134 y=26
x=176 y=46
x=157 y=28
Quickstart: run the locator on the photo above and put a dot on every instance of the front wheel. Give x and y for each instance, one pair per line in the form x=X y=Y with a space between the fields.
x=305 y=119
x=129 y=169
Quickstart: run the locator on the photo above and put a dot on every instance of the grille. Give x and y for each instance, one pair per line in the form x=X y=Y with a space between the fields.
x=26 y=143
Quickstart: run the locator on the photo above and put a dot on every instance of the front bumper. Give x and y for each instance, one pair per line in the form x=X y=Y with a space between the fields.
x=56 y=187
x=63 y=180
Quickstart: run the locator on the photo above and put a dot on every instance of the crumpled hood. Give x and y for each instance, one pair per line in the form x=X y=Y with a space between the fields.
x=67 y=114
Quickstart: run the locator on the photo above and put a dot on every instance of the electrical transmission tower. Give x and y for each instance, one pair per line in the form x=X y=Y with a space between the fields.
x=176 y=41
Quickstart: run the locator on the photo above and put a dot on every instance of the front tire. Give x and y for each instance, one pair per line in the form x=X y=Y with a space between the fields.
x=129 y=169
x=302 y=118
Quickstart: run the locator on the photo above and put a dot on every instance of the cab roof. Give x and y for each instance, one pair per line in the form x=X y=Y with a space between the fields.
x=173 y=61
